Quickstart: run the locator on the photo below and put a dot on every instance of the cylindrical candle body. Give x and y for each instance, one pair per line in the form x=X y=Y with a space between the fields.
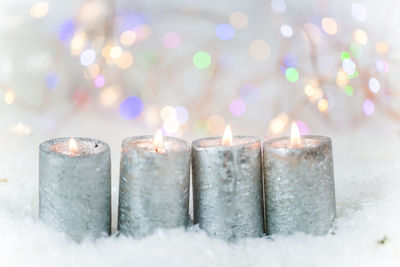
x=299 y=186
x=75 y=190
x=227 y=187
x=154 y=187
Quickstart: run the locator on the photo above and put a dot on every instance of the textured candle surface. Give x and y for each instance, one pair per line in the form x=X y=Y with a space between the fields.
x=75 y=190
x=299 y=186
x=154 y=187
x=227 y=187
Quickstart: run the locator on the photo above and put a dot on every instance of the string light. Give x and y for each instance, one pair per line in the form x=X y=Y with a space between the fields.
x=128 y=38
x=359 y=12
x=131 y=107
x=278 y=124
x=353 y=75
x=374 y=85
x=224 y=32
x=323 y=105
x=292 y=75
x=238 y=20
x=88 y=57
x=309 y=90
x=109 y=96
x=382 y=48
x=349 y=66
x=78 y=43
x=313 y=92
x=125 y=61
x=66 y=31
x=344 y=55
x=382 y=65
x=115 y=52
x=368 y=107
x=100 y=81
x=84 y=40
x=9 y=97
x=349 y=90
x=105 y=52
x=286 y=31
x=360 y=37
x=329 y=26
x=202 y=60
x=39 y=10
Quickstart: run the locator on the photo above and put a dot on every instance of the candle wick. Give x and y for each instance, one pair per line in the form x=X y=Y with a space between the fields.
x=160 y=149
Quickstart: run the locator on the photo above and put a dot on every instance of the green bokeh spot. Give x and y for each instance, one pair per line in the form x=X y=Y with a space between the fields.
x=291 y=74
x=344 y=55
x=200 y=127
x=349 y=90
x=355 y=50
x=202 y=60
x=355 y=74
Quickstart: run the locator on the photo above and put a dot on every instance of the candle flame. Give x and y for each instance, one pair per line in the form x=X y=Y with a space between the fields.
x=73 y=146
x=227 y=139
x=158 y=141
x=295 y=138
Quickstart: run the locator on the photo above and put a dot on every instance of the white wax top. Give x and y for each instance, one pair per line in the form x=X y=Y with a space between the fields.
x=217 y=141
x=85 y=147
x=147 y=144
x=305 y=142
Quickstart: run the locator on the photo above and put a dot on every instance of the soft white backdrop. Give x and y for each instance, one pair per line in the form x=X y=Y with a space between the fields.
x=366 y=154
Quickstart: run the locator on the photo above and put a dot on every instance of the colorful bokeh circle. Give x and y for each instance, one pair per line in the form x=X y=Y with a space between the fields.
x=131 y=107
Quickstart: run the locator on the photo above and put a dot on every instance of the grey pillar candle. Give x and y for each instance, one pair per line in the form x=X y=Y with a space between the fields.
x=75 y=187
x=154 y=185
x=227 y=187
x=299 y=186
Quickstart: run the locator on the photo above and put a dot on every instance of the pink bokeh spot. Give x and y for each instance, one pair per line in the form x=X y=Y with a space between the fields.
x=171 y=40
x=99 y=81
x=368 y=107
x=303 y=129
x=237 y=107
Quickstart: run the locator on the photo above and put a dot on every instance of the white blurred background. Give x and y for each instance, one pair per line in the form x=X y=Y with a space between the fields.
x=71 y=65
x=112 y=69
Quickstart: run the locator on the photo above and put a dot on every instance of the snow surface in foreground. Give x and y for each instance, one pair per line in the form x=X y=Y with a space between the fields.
x=367 y=174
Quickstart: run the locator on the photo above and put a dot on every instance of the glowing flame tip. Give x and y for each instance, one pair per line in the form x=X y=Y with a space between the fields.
x=227 y=138
x=158 y=141
x=295 y=138
x=73 y=146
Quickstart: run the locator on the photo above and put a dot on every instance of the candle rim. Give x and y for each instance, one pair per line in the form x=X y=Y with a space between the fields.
x=251 y=141
x=129 y=143
x=47 y=146
x=322 y=140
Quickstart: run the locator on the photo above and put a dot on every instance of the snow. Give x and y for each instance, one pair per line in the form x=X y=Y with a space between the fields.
x=367 y=228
